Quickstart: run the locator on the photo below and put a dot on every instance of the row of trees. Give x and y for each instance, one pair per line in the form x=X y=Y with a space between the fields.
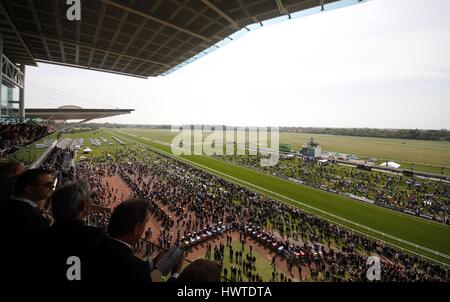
x=112 y=125
x=442 y=134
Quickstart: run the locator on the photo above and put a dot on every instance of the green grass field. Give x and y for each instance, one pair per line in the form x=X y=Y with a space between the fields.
x=96 y=150
x=403 y=150
x=263 y=266
x=412 y=233
x=422 y=168
x=30 y=153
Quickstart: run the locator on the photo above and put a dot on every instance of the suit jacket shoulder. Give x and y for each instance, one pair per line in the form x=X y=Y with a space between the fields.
x=108 y=259
x=22 y=217
x=61 y=241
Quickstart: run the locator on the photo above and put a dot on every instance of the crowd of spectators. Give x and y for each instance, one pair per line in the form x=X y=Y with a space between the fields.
x=417 y=196
x=193 y=200
x=14 y=136
x=191 y=206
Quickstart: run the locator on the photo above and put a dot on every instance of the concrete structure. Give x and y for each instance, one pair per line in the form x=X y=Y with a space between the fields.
x=65 y=113
x=139 y=38
x=311 y=149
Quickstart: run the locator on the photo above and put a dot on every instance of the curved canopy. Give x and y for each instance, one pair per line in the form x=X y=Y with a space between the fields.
x=135 y=37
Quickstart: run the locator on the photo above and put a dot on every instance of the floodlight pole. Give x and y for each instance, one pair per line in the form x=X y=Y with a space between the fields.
x=22 y=95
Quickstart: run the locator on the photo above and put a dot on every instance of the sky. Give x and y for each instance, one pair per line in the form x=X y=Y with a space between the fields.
x=377 y=64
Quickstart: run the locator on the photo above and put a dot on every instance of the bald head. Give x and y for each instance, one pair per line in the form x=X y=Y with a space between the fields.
x=200 y=270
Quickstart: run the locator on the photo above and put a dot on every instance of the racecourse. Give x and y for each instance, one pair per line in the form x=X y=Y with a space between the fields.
x=420 y=236
x=427 y=156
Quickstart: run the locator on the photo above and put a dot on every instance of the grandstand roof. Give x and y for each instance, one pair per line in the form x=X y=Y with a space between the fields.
x=65 y=114
x=132 y=37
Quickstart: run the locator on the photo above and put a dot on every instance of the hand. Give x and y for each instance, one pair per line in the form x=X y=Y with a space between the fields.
x=48 y=218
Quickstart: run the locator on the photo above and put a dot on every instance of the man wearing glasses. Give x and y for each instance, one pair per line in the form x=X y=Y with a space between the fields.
x=21 y=222
x=21 y=211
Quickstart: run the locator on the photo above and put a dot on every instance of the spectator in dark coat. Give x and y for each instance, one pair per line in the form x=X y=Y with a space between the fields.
x=20 y=210
x=21 y=222
x=111 y=258
x=68 y=236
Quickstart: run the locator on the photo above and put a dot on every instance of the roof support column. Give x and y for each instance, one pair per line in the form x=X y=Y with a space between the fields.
x=22 y=96
x=1 y=74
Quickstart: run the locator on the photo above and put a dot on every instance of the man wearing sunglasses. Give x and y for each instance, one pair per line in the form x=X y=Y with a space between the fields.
x=21 y=222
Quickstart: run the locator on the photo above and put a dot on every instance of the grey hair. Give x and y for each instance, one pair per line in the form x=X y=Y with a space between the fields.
x=68 y=200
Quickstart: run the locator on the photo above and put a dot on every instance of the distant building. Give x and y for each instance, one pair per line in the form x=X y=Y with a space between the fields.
x=311 y=149
x=285 y=147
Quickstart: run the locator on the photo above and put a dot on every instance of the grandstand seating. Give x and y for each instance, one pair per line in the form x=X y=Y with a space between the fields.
x=14 y=136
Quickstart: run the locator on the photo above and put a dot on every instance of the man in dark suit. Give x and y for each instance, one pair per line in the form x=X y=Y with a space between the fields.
x=68 y=236
x=21 y=222
x=111 y=258
x=20 y=212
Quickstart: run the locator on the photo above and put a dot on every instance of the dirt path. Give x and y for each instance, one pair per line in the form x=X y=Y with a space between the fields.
x=116 y=183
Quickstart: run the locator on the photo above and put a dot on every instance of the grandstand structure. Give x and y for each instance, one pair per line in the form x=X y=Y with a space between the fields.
x=138 y=38
x=148 y=38
x=65 y=113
